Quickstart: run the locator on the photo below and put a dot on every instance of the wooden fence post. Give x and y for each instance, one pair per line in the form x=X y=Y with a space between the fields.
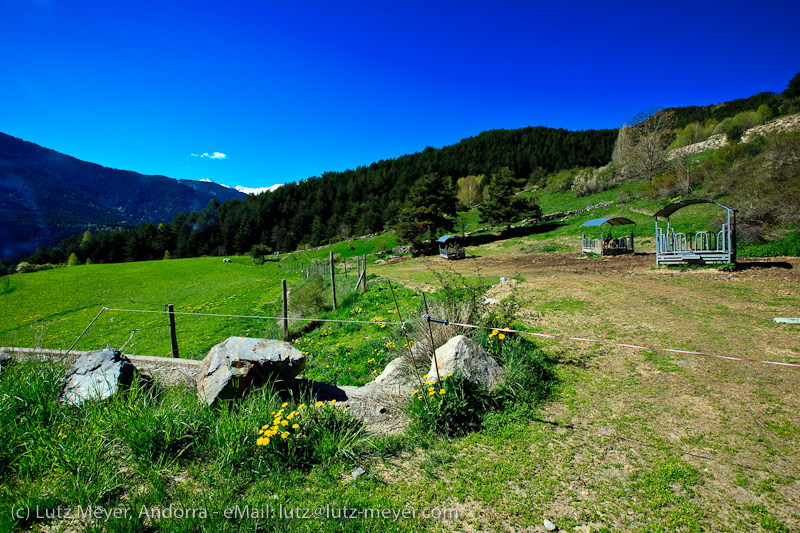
x=173 y=335
x=333 y=281
x=364 y=286
x=285 y=310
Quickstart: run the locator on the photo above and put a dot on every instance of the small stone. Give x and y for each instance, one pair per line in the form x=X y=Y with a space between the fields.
x=358 y=472
x=548 y=525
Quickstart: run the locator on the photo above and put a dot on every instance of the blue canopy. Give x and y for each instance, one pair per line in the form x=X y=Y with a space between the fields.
x=618 y=221
x=445 y=238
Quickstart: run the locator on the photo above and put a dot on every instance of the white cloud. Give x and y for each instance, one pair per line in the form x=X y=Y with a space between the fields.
x=259 y=190
x=212 y=155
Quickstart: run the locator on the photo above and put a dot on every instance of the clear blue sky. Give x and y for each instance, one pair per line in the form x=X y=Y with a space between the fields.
x=288 y=90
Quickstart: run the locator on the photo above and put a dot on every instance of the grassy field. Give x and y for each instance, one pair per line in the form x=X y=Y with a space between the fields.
x=627 y=440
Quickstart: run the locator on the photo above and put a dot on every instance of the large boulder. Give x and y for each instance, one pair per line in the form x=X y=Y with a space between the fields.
x=97 y=375
x=233 y=367
x=462 y=355
x=5 y=358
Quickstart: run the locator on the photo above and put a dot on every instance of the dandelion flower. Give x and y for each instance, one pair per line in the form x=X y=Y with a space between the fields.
x=450 y=374
x=501 y=336
x=333 y=401
x=295 y=426
x=284 y=423
x=415 y=391
x=285 y=404
x=431 y=393
x=284 y=434
x=301 y=406
x=441 y=391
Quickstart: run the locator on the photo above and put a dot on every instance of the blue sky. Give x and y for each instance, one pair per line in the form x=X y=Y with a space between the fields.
x=288 y=90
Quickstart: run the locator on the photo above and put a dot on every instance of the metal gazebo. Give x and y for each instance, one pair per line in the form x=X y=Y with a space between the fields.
x=450 y=247
x=700 y=248
x=605 y=245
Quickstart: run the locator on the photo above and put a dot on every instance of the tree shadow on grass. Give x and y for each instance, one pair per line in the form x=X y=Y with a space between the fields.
x=745 y=265
x=525 y=231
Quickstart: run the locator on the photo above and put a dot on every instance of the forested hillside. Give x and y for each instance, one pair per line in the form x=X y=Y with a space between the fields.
x=336 y=204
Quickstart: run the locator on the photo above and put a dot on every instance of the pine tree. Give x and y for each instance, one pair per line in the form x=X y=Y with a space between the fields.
x=503 y=206
x=431 y=200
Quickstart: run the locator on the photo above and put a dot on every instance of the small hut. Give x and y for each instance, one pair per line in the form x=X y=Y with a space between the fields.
x=607 y=244
x=701 y=247
x=450 y=247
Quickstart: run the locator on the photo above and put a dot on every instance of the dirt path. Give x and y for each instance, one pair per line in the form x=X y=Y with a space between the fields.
x=737 y=422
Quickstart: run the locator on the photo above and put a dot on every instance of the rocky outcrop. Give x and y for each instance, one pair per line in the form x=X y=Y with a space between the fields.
x=791 y=122
x=97 y=375
x=239 y=364
x=462 y=355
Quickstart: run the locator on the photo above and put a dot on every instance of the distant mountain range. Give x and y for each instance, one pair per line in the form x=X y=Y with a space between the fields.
x=46 y=196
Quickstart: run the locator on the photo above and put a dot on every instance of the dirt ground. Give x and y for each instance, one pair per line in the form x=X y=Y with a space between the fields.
x=736 y=421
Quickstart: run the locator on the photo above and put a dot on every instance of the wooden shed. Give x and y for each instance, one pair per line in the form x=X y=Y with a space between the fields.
x=607 y=244
x=451 y=247
x=700 y=247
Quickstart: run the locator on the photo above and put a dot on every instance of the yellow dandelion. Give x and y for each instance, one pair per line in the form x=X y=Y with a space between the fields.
x=441 y=391
x=284 y=423
x=333 y=402
x=295 y=426
x=301 y=406
x=284 y=434
x=450 y=374
x=318 y=404
x=431 y=393
x=285 y=404
x=501 y=336
x=415 y=391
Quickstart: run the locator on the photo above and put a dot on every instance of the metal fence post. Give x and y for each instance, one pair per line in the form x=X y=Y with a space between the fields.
x=173 y=336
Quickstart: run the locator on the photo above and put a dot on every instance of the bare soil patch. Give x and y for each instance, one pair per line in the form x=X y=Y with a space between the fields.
x=625 y=410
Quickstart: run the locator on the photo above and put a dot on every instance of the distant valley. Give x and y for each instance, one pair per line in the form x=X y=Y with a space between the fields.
x=46 y=196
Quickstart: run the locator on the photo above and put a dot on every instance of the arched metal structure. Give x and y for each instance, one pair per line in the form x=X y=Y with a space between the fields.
x=450 y=247
x=606 y=245
x=700 y=248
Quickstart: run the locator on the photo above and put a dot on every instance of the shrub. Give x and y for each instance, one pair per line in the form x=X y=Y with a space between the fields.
x=789 y=245
x=309 y=296
x=458 y=406
x=562 y=181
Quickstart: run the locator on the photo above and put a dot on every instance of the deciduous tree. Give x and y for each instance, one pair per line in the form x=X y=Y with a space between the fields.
x=648 y=142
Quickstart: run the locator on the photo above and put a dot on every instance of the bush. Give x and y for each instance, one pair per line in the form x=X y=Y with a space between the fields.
x=789 y=246
x=309 y=296
x=592 y=181
x=562 y=181
x=460 y=406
